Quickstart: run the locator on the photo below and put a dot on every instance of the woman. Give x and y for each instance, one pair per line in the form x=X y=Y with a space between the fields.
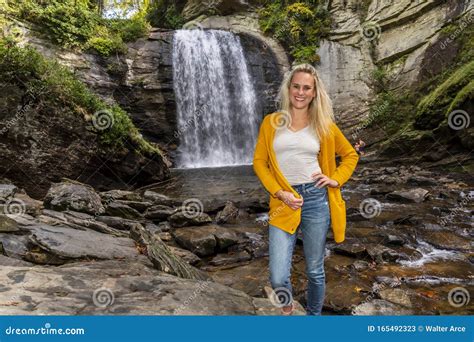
x=295 y=160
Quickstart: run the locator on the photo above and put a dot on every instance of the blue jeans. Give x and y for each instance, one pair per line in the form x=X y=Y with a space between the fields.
x=315 y=222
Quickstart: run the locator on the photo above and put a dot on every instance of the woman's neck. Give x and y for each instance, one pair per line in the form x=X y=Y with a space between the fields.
x=299 y=115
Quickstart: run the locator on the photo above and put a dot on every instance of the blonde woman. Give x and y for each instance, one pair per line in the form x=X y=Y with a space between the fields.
x=295 y=160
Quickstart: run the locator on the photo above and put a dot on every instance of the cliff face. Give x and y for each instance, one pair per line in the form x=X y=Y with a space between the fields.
x=402 y=37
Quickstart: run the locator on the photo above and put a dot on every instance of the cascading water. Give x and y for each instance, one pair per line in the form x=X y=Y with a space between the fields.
x=216 y=103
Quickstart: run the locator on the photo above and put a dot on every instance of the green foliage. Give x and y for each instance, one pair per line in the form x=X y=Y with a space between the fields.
x=28 y=68
x=77 y=24
x=297 y=25
x=165 y=14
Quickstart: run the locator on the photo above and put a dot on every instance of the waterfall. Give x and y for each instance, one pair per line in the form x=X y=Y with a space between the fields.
x=215 y=98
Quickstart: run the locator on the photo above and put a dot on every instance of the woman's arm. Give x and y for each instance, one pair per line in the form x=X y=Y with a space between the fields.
x=260 y=164
x=349 y=157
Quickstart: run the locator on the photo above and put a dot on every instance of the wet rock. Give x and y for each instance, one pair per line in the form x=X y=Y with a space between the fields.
x=6 y=261
x=77 y=220
x=117 y=222
x=13 y=246
x=416 y=195
x=125 y=195
x=380 y=307
x=381 y=253
x=200 y=241
x=122 y=210
x=360 y=265
x=355 y=215
x=162 y=226
x=31 y=206
x=160 y=199
x=159 y=212
x=228 y=214
x=186 y=255
x=182 y=218
x=137 y=205
x=8 y=225
x=353 y=249
x=396 y=296
x=256 y=244
x=155 y=229
x=250 y=278
x=421 y=181
x=74 y=196
x=7 y=191
x=395 y=240
x=230 y=258
x=448 y=240
x=68 y=243
x=125 y=287
x=205 y=240
x=165 y=236
x=162 y=257
x=411 y=220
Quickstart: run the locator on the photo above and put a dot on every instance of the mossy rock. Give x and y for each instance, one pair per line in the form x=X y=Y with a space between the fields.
x=436 y=106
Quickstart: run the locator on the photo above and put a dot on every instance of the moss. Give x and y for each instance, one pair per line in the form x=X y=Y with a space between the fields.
x=28 y=69
x=297 y=25
x=75 y=24
x=434 y=107
x=165 y=14
x=465 y=94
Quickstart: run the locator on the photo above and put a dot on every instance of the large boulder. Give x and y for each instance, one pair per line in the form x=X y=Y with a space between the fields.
x=73 y=196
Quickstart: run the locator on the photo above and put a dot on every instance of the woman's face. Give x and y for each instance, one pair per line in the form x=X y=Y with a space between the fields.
x=302 y=90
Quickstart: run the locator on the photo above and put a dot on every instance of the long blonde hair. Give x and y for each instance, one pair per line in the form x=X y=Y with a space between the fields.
x=320 y=111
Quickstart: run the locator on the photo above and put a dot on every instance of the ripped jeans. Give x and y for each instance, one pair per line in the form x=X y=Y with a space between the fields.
x=315 y=222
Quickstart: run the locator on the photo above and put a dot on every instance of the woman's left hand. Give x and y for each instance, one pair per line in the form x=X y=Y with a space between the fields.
x=323 y=180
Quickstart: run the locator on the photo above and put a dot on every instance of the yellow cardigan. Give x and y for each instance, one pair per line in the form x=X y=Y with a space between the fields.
x=265 y=166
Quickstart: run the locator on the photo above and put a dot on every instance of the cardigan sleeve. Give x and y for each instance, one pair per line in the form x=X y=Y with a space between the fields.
x=349 y=157
x=261 y=161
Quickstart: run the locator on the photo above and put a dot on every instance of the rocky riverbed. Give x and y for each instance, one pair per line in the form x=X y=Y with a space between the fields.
x=198 y=244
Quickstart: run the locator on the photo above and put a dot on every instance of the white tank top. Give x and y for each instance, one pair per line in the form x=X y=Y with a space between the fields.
x=297 y=154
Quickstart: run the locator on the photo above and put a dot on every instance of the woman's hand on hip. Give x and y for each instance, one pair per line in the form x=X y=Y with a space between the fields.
x=289 y=199
x=323 y=180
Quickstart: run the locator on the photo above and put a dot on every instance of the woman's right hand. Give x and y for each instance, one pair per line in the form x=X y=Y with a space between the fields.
x=289 y=199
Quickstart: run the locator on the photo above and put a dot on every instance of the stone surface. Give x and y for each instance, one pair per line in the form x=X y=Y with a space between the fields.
x=228 y=214
x=162 y=257
x=8 y=225
x=116 y=288
x=73 y=196
x=205 y=240
x=380 y=307
x=183 y=218
x=230 y=258
x=120 y=209
x=159 y=212
x=67 y=243
x=416 y=195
